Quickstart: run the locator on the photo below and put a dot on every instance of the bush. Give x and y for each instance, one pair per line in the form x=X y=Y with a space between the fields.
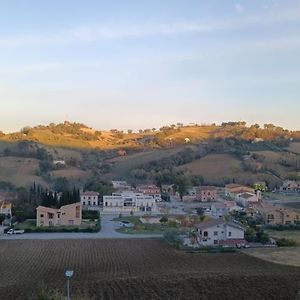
x=283 y=242
x=172 y=237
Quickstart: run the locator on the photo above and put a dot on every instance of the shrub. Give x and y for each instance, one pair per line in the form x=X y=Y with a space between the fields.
x=283 y=242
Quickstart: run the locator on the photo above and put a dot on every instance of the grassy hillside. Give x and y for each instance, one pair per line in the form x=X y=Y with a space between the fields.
x=227 y=151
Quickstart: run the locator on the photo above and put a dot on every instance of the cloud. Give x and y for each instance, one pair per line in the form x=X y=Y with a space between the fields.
x=238 y=7
x=96 y=32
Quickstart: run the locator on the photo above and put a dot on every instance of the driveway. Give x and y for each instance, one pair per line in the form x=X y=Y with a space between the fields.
x=108 y=227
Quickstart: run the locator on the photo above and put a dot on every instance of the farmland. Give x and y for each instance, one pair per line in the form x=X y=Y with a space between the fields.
x=144 y=269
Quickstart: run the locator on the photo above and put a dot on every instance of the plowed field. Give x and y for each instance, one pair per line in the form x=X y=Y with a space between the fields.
x=139 y=269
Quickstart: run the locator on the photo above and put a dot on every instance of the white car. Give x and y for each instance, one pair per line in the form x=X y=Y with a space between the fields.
x=13 y=231
x=125 y=224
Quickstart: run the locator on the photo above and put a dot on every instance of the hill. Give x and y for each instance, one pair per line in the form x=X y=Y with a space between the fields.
x=216 y=154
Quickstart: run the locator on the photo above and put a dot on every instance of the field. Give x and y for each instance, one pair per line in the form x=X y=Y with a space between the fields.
x=20 y=171
x=288 y=234
x=294 y=147
x=217 y=167
x=143 y=269
x=285 y=255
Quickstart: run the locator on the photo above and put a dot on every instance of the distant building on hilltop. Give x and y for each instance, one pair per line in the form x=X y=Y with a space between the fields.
x=120 y=185
x=89 y=199
x=206 y=193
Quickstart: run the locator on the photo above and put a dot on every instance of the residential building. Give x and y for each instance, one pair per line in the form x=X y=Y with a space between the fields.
x=5 y=208
x=128 y=201
x=120 y=185
x=247 y=199
x=150 y=190
x=219 y=233
x=67 y=215
x=221 y=209
x=206 y=193
x=89 y=199
x=290 y=186
x=279 y=215
x=232 y=189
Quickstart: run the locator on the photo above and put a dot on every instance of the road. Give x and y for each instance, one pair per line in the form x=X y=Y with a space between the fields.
x=108 y=228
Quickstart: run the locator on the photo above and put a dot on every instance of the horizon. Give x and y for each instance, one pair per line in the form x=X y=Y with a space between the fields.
x=139 y=64
x=135 y=130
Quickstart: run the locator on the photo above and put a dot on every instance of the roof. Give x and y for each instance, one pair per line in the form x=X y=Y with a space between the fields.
x=70 y=205
x=213 y=223
x=206 y=188
x=40 y=207
x=89 y=193
x=247 y=195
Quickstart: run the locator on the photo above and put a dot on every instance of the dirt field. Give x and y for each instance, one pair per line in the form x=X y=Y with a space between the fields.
x=144 y=269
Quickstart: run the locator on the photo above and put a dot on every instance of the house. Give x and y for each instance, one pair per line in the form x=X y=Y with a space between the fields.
x=150 y=190
x=67 y=215
x=247 y=199
x=128 y=201
x=219 y=233
x=120 y=185
x=232 y=189
x=206 y=193
x=89 y=199
x=290 y=186
x=279 y=215
x=221 y=209
x=5 y=208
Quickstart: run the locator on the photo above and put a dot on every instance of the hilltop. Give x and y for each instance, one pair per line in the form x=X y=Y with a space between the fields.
x=211 y=154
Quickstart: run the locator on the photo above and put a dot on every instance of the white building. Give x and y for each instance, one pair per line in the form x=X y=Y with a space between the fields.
x=129 y=202
x=120 y=185
x=89 y=200
x=219 y=233
x=246 y=199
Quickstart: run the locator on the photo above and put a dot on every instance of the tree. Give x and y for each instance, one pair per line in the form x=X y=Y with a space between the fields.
x=163 y=220
x=181 y=184
x=2 y=218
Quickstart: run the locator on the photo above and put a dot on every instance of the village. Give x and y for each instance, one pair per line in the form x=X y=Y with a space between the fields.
x=233 y=216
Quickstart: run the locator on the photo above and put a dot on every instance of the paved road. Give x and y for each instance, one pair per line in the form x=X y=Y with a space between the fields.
x=107 y=232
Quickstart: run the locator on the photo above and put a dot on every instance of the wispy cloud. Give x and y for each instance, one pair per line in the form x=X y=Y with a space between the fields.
x=91 y=33
x=238 y=7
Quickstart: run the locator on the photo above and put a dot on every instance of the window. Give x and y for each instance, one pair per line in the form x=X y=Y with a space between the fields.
x=229 y=233
x=83 y=202
x=105 y=203
x=78 y=211
x=205 y=233
x=215 y=233
x=89 y=202
x=215 y=242
x=42 y=216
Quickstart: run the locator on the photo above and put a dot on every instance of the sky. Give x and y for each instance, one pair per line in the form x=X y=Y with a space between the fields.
x=146 y=63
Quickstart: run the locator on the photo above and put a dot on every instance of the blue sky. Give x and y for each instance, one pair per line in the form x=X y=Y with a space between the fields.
x=139 y=64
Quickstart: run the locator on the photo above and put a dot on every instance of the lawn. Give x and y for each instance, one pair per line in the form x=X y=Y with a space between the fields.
x=288 y=234
x=30 y=226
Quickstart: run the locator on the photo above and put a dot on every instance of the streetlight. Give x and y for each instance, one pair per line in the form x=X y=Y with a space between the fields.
x=69 y=274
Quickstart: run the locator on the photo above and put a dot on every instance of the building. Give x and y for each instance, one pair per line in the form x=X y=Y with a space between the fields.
x=279 y=215
x=128 y=201
x=221 y=209
x=290 y=186
x=89 y=200
x=150 y=190
x=120 y=185
x=5 y=208
x=233 y=189
x=247 y=199
x=219 y=233
x=67 y=215
x=206 y=193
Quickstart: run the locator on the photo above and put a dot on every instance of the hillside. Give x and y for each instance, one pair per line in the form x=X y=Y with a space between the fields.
x=216 y=153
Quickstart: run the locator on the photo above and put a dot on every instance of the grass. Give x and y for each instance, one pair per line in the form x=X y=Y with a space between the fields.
x=284 y=256
x=30 y=226
x=288 y=234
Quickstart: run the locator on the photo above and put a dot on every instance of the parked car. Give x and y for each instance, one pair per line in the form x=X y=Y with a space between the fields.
x=13 y=231
x=125 y=224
